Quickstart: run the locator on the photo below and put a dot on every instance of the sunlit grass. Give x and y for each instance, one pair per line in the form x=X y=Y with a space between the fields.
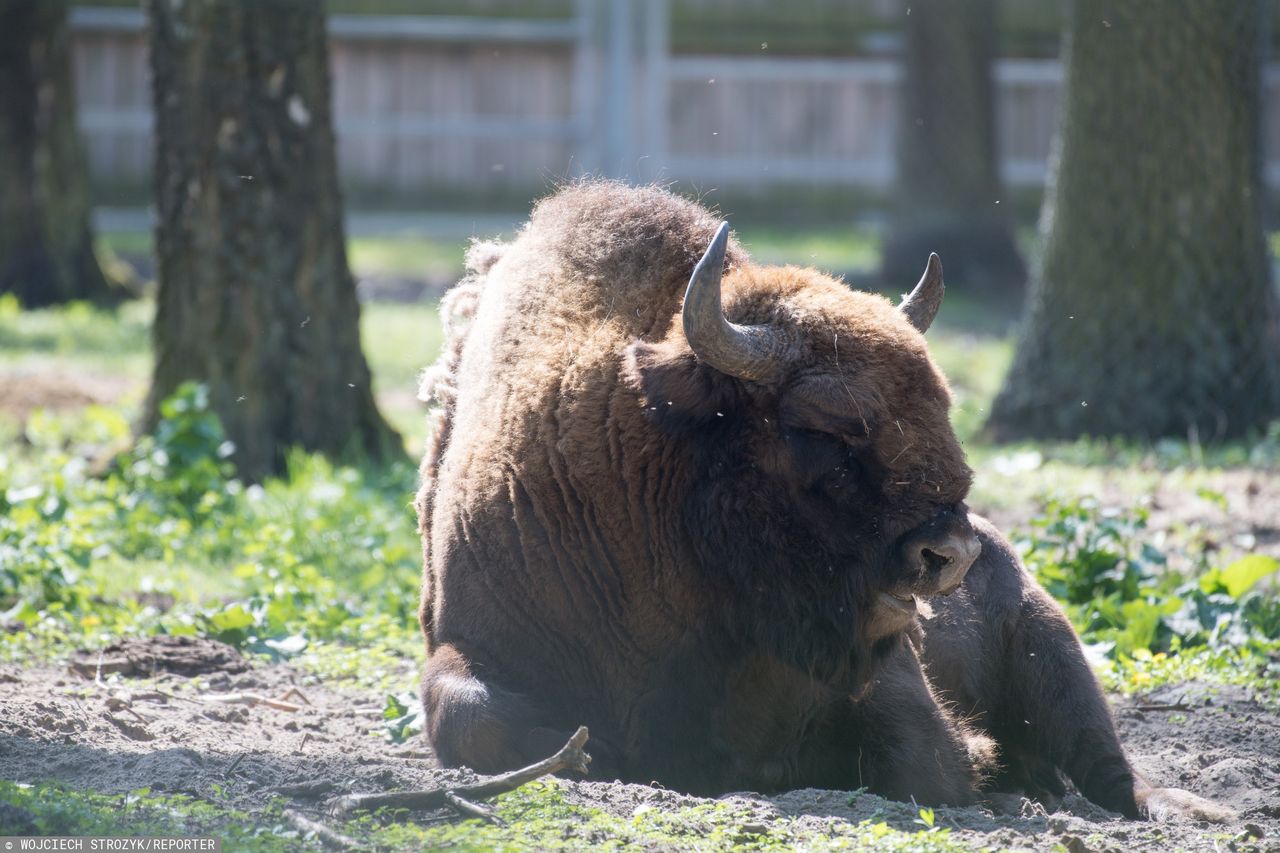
x=408 y=256
x=841 y=250
x=77 y=336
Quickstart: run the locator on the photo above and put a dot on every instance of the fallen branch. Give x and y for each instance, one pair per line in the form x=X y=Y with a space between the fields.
x=327 y=836
x=1145 y=708
x=311 y=790
x=570 y=757
x=250 y=699
x=1179 y=705
x=467 y=807
x=226 y=774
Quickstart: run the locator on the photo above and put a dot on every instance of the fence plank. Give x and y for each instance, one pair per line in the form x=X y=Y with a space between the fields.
x=476 y=103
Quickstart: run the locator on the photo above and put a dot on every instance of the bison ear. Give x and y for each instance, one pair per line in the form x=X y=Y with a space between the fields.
x=678 y=391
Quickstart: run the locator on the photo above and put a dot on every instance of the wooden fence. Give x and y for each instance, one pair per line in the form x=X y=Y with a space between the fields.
x=482 y=104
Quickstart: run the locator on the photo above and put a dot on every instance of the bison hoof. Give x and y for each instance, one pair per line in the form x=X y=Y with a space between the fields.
x=1175 y=804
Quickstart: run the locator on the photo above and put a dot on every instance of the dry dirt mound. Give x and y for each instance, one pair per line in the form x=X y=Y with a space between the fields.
x=25 y=391
x=268 y=730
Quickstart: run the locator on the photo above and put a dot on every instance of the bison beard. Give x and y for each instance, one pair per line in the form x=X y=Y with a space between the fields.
x=700 y=523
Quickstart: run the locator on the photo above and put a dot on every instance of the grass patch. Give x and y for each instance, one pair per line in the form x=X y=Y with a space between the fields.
x=408 y=256
x=116 y=341
x=842 y=250
x=53 y=809
x=538 y=816
x=325 y=556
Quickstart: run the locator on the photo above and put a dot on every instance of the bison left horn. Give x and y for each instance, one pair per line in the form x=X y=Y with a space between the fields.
x=747 y=352
x=921 y=304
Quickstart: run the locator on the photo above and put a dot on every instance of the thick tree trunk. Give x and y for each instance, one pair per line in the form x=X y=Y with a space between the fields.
x=255 y=295
x=1152 y=311
x=46 y=250
x=948 y=180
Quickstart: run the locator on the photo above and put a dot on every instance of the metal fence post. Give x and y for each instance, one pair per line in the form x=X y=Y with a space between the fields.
x=617 y=108
x=653 y=116
x=585 y=119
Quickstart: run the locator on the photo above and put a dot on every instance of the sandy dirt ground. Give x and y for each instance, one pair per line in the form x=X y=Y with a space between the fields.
x=160 y=721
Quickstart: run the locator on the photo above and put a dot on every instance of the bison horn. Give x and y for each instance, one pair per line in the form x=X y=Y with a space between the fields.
x=921 y=304
x=747 y=352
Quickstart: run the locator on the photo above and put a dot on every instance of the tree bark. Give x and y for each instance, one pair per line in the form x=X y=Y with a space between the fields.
x=255 y=295
x=948 y=181
x=1152 y=311
x=46 y=249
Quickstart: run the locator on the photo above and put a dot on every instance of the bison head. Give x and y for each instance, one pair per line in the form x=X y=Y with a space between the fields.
x=827 y=485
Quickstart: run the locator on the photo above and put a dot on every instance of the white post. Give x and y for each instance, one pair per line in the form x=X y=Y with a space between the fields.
x=657 y=48
x=618 y=107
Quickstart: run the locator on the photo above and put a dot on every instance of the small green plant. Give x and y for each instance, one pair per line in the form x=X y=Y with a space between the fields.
x=1123 y=596
x=167 y=540
x=402 y=716
x=183 y=465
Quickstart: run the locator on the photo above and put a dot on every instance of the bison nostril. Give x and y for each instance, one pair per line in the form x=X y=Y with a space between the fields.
x=934 y=561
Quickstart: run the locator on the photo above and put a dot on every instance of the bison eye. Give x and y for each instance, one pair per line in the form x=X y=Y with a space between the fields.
x=822 y=460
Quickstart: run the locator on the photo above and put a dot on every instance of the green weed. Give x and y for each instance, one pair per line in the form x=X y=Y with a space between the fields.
x=1124 y=598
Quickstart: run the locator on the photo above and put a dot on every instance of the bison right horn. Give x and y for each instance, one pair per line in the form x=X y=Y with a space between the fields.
x=921 y=304
x=747 y=352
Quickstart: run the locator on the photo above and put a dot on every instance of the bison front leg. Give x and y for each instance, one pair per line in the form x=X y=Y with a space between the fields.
x=897 y=741
x=1003 y=654
x=484 y=725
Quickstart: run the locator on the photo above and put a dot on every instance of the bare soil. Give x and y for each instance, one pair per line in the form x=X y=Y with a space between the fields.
x=187 y=718
x=23 y=391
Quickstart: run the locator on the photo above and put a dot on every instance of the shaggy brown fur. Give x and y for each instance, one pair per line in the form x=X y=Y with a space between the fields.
x=696 y=566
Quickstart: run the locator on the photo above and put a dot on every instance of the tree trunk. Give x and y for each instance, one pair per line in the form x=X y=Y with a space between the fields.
x=46 y=250
x=255 y=296
x=1152 y=311
x=948 y=175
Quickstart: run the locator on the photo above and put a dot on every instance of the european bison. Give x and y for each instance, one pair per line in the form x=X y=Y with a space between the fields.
x=724 y=527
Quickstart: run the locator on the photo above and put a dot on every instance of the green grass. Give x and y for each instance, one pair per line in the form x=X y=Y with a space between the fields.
x=77 y=336
x=399 y=341
x=537 y=816
x=416 y=256
x=395 y=255
x=88 y=344
x=841 y=250
x=51 y=809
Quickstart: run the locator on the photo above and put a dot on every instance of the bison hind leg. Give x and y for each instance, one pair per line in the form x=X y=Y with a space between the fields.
x=1162 y=804
x=1029 y=775
x=473 y=722
x=491 y=727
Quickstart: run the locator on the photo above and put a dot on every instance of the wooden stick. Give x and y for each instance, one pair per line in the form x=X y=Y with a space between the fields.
x=467 y=807
x=304 y=790
x=1178 y=706
x=570 y=757
x=327 y=836
x=250 y=699
x=226 y=774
